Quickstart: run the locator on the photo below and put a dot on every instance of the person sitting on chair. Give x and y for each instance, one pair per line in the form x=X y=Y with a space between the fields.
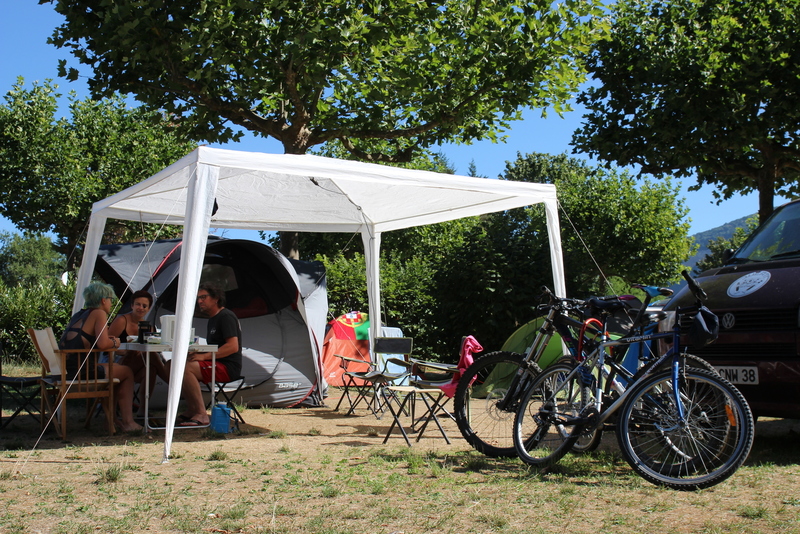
x=225 y=332
x=88 y=329
x=127 y=324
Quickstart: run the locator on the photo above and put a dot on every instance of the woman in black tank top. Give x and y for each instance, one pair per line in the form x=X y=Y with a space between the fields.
x=126 y=325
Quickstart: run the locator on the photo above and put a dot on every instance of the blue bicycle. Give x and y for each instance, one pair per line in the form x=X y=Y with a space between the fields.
x=684 y=428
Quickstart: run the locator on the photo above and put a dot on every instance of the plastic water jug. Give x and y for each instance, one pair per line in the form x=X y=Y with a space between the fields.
x=167 y=329
x=221 y=418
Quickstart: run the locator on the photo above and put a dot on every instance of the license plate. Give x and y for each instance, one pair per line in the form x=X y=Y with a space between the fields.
x=739 y=374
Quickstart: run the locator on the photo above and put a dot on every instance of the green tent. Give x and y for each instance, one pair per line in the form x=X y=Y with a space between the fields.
x=520 y=341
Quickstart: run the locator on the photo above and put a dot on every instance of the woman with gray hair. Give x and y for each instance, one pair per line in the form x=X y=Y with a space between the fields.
x=87 y=329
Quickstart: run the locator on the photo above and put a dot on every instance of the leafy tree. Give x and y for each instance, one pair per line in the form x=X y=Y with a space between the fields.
x=414 y=72
x=489 y=284
x=717 y=247
x=306 y=73
x=52 y=170
x=28 y=259
x=700 y=86
x=610 y=225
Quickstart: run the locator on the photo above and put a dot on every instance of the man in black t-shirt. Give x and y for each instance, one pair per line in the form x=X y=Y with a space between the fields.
x=225 y=332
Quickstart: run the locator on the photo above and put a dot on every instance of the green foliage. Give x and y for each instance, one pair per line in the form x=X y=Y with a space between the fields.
x=410 y=260
x=32 y=294
x=700 y=86
x=52 y=170
x=717 y=247
x=347 y=282
x=415 y=71
x=483 y=275
x=488 y=284
x=28 y=259
x=47 y=303
x=611 y=226
x=486 y=287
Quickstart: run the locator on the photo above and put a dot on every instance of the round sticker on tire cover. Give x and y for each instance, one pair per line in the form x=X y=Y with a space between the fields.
x=747 y=284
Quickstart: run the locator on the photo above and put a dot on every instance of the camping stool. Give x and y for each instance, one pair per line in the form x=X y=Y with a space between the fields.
x=228 y=392
x=431 y=397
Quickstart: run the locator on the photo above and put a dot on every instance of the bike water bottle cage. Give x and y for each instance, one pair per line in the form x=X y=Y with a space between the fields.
x=586 y=377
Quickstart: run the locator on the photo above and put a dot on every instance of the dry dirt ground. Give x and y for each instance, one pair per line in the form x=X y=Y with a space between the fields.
x=317 y=471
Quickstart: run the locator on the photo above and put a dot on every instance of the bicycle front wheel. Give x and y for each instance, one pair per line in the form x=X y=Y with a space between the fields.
x=545 y=426
x=484 y=414
x=704 y=448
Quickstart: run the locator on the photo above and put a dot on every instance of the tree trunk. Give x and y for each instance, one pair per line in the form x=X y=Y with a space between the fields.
x=766 y=192
x=290 y=244
x=295 y=142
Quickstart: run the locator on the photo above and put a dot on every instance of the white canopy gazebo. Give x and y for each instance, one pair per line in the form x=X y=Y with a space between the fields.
x=305 y=193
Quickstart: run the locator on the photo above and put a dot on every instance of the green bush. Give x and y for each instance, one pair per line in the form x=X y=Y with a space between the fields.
x=406 y=296
x=47 y=303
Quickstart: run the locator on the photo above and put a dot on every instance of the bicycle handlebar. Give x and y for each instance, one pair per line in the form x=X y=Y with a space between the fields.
x=695 y=288
x=553 y=298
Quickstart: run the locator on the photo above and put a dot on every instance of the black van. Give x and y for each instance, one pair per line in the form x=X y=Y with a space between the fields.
x=756 y=295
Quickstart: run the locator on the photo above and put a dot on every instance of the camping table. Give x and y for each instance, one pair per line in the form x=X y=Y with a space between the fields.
x=147 y=348
x=431 y=396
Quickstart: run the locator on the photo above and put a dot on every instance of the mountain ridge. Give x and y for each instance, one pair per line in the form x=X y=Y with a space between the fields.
x=725 y=230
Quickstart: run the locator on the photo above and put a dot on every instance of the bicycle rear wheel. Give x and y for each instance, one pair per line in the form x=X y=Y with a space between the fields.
x=544 y=426
x=705 y=448
x=483 y=387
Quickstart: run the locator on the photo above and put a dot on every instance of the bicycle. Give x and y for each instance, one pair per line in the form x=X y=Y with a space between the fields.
x=490 y=390
x=683 y=428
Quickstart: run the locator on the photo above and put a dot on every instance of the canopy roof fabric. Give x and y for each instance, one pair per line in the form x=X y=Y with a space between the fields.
x=314 y=194
x=219 y=188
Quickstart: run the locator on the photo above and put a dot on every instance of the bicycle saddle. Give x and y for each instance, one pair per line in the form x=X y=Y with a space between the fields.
x=608 y=305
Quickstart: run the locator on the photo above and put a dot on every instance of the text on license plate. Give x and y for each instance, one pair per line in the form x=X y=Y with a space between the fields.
x=739 y=374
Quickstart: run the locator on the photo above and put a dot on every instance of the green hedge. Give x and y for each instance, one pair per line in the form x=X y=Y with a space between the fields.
x=39 y=305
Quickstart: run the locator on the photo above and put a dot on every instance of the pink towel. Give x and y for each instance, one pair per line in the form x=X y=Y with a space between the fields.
x=469 y=346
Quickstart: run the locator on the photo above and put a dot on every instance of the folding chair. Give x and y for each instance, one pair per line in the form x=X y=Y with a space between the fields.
x=228 y=390
x=56 y=388
x=23 y=391
x=374 y=381
x=351 y=369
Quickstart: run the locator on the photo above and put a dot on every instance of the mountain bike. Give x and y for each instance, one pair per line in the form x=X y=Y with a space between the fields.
x=490 y=390
x=683 y=428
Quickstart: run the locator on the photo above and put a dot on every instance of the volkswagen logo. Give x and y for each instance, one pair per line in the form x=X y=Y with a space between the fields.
x=728 y=320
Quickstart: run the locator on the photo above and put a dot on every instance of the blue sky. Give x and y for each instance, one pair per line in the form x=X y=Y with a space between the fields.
x=25 y=27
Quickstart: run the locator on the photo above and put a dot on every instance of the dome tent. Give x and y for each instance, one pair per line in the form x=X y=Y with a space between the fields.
x=281 y=361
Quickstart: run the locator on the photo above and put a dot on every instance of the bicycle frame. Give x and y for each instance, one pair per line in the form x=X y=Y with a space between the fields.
x=598 y=359
x=558 y=320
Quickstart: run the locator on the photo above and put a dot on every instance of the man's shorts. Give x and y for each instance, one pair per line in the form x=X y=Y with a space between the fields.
x=221 y=374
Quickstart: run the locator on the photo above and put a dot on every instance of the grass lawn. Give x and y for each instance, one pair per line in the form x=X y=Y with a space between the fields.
x=313 y=470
